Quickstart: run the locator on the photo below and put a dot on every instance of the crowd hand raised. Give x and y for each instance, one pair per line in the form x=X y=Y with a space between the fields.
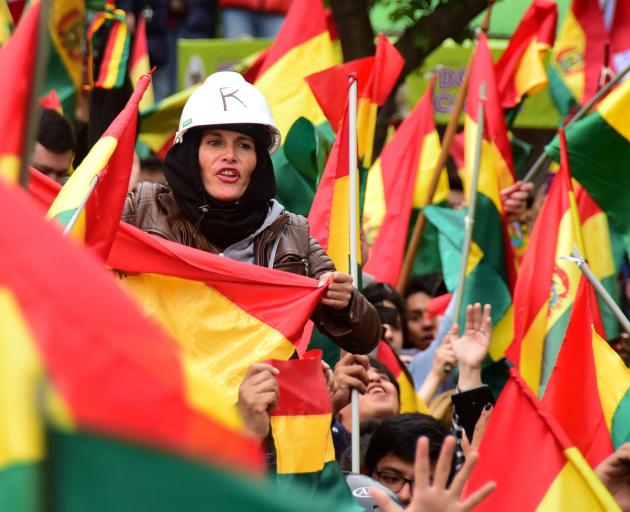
x=436 y=496
x=257 y=397
x=472 y=346
x=444 y=359
x=350 y=373
x=339 y=291
x=514 y=199
x=614 y=472
x=480 y=428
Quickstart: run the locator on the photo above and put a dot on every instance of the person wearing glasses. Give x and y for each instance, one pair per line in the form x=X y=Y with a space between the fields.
x=391 y=451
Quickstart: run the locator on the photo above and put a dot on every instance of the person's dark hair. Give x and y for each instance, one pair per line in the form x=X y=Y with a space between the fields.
x=367 y=429
x=431 y=284
x=381 y=368
x=55 y=132
x=379 y=292
x=399 y=435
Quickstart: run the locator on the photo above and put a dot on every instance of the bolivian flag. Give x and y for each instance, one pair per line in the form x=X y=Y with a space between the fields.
x=238 y=315
x=301 y=428
x=64 y=73
x=16 y=81
x=409 y=399
x=547 y=284
x=589 y=389
x=108 y=31
x=577 y=57
x=139 y=60
x=599 y=252
x=110 y=372
x=496 y=172
x=102 y=180
x=546 y=472
x=397 y=183
x=599 y=152
x=123 y=401
x=159 y=122
x=303 y=46
x=521 y=68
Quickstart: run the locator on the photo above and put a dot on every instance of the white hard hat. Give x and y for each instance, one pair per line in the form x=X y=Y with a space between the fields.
x=227 y=98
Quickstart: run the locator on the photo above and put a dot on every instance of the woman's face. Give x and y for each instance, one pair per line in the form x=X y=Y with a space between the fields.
x=227 y=160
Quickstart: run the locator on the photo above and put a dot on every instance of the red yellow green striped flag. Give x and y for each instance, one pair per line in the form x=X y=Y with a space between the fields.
x=598 y=249
x=301 y=428
x=109 y=30
x=102 y=179
x=397 y=183
x=303 y=46
x=546 y=286
x=599 y=147
x=496 y=172
x=409 y=399
x=64 y=73
x=589 y=388
x=139 y=61
x=16 y=81
x=125 y=402
x=238 y=315
x=546 y=471
x=577 y=57
x=521 y=68
x=131 y=382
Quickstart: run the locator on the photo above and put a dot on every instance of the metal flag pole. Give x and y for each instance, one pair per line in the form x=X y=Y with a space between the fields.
x=544 y=158
x=577 y=258
x=354 y=227
x=469 y=220
x=75 y=216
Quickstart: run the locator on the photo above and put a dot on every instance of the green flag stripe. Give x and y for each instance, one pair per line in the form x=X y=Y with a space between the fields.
x=553 y=342
x=620 y=429
x=20 y=488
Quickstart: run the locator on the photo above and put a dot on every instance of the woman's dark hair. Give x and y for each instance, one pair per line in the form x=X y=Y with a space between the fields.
x=55 y=132
x=431 y=284
x=399 y=435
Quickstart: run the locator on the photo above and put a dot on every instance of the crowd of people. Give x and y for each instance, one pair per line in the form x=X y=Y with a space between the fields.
x=217 y=194
x=216 y=191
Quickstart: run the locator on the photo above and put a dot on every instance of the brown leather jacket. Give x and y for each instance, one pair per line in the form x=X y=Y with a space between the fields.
x=283 y=245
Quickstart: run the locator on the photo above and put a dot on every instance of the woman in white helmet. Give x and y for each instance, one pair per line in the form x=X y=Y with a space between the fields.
x=220 y=198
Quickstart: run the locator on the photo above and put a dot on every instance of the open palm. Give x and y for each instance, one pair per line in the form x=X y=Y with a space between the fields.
x=472 y=346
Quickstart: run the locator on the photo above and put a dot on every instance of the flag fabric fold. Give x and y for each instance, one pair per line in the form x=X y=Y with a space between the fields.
x=521 y=67
x=589 y=388
x=547 y=284
x=139 y=61
x=397 y=183
x=108 y=164
x=546 y=471
x=16 y=80
x=409 y=399
x=599 y=147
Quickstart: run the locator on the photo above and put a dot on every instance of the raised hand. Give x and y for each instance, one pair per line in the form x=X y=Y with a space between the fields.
x=436 y=496
x=472 y=346
x=514 y=199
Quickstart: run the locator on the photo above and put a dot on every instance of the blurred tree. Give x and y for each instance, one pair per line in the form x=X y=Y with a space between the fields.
x=428 y=24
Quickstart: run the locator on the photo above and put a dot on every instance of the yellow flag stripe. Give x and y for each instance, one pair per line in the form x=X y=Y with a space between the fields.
x=532 y=348
x=142 y=67
x=502 y=335
x=429 y=156
x=613 y=377
x=10 y=168
x=114 y=66
x=567 y=56
x=218 y=337
x=303 y=443
x=75 y=190
x=21 y=433
x=284 y=86
x=531 y=75
x=577 y=488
